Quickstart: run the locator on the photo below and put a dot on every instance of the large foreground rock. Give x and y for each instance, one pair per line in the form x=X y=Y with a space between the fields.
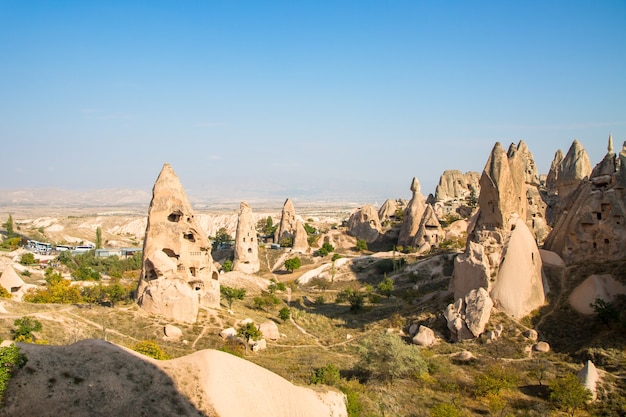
x=97 y=378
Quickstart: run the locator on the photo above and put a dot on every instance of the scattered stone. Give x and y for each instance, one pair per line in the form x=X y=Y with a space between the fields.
x=499 y=329
x=228 y=333
x=413 y=328
x=259 y=345
x=542 y=347
x=463 y=356
x=424 y=337
x=269 y=330
x=172 y=331
x=478 y=306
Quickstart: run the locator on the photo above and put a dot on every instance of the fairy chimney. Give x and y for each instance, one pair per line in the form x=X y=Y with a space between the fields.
x=246 y=257
x=177 y=275
x=288 y=223
x=412 y=215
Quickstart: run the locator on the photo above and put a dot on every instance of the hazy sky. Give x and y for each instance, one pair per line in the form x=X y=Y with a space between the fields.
x=300 y=98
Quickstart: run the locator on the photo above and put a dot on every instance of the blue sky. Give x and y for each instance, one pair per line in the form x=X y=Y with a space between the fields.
x=304 y=99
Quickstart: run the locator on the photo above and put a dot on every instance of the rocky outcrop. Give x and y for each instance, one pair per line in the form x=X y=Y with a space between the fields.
x=300 y=238
x=603 y=287
x=454 y=185
x=412 y=215
x=592 y=223
x=13 y=283
x=365 y=224
x=288 y=222
x=424 y=337
x=524 y=171
x=430 y=233
x=468 y=316
x=574 y=168
x=501 y=258
x=246 y=257
x=177 y=274
x=388 y=210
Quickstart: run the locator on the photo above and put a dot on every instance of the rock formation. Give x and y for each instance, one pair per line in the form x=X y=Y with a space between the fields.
x=246 y=245
x=592 y=223
x=589 y=377
x=524 y=171
x=412 y=215
x=501 y=258
x=388 y=210
x=454 y=185
x=574 y=168
x=300 y=238
x=177 y=273
x=603 y=287
x=13 y=283
x=364 y=224
x=429 y=233
x=288 y=223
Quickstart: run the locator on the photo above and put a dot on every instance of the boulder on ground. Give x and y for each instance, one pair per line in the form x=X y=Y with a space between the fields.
x=228 y=333
x=172 y=331
x=542 y=347
x=424 y=337
x=531 y=334
x=365 y=224
x=269 y=330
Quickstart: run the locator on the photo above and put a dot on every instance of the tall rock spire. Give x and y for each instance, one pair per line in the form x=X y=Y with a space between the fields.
x=412 y=215
x=609 y=148
x=177 y=274
x=246 y=257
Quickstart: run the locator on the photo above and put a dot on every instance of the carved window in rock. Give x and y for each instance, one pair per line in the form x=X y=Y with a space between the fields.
x=175 y=216
x=606 y=241
x=169 y=252
x=599 y=215
x=193 y=271
x=180 y=267
x=249 y=250
x=189 y=236
x=244 y=239
x=215 y=275
x=196 y=285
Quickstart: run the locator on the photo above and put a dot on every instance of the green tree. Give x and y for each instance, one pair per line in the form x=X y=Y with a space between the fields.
x=325 y=249
x=93 y=294
x=266 y=226
x=385 y=287
x=276 y=286
x=284 y=313
x=292 y=264
x=58 y=291
x=355 y=298
x=28 y=259
x=310 y=230
x=151 y=349
x=265 y=301
x=25 y=328
x=605 y=312
x=11 y=359
x=9 y=227
x=495 y=380
x=286 y=242
x=221 y=236
x=98 y=238
x=116 y=292
x=387 y=357
x=231 y=294
x=568 y=394
x=249 y=332
x=361 y=245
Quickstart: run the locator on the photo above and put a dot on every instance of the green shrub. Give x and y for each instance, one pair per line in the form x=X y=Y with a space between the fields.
x=325 y=249
x=361 y=245
x=4 y=293
x=445 y=410
x=231 y=294
x=385 y=287
x=292 y=264
x=386 y=357
x=25 y=328
x=568 y=394
x=227 y=266
x=284 y=313
x=151 y=349
x=328 y=375
x=10 y=360
x=28 y=259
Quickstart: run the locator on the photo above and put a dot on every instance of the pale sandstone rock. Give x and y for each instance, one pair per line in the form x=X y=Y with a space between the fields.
x=412 y=215
x=365 y=224
x=172 y=331
x=300 y=238
x=14 y=285
x=478 y=306
x=259 y=345
x=177 y=273
x=574 y=168
x=424 y=337
x=464 y=356
x=592 y=225
x=518 y=288
x=246 y=258
x=542 y=347
x=603 y=287
x=430 y=233
x=288 y=222
x=551 y=258
x=388 y=210
x=269 y=330
x=589 y=377
x=454 y=185
x=228 y=333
